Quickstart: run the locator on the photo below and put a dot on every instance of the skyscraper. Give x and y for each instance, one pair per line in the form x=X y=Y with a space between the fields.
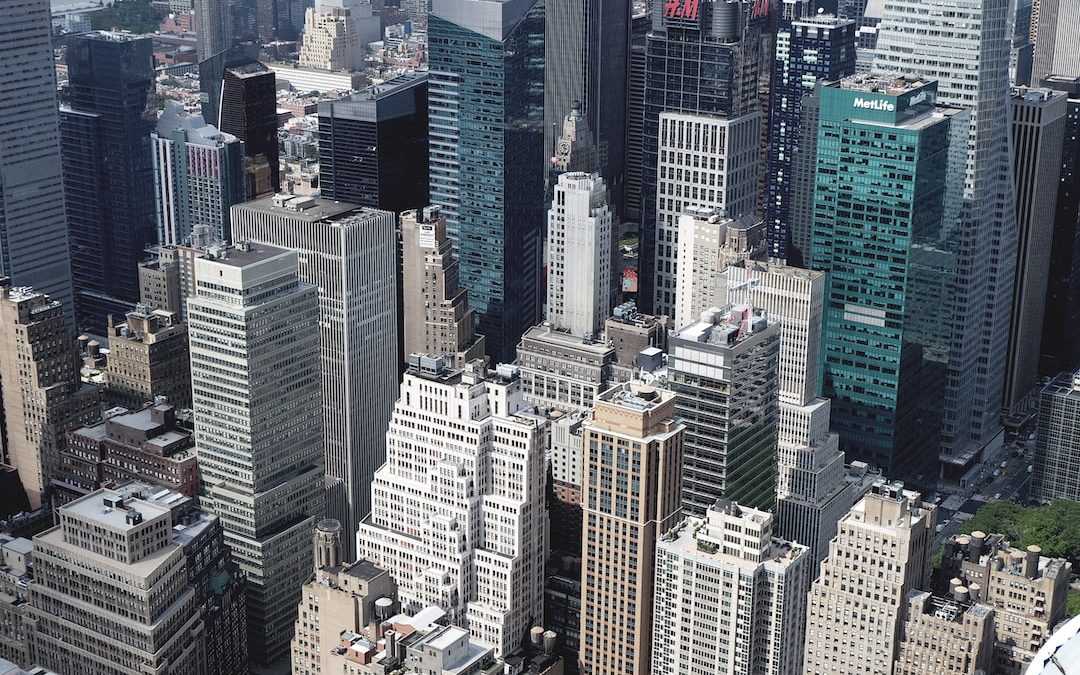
x=586 y=56
x=1038 y=134
x=808 y=50
x=1061 y=319
x=727 y=574
x=702 y=59
x=349 y=254
x=42 y=394
x=198 y=173
x=108 y=170
x=1056 y=49
x=247 y=108
x=886 y=332
x=259 y=442
x=148 y=357
x=881 y=551
x=33 y=225
x=723 y=370
x=213 y=21
x=706 y=162
x=485 y=117
x=813 y=490
x=373 y=145
x=971 y=66
x=1056 y=471
x=442 y=324
x=463 y=525
x=579 y=253
x=632 y=446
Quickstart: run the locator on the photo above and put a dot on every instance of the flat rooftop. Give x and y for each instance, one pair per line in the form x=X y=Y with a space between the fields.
x=92 y=508
x=311 y=209
x=243 y=256
x=892 y=84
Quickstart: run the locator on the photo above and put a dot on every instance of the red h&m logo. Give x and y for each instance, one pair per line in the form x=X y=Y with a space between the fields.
x=681 y=9
x=760 y=9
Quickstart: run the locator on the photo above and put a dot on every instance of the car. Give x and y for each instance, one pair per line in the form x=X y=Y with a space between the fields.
x=997 y=496
x=1004 y=464
x=940 y=527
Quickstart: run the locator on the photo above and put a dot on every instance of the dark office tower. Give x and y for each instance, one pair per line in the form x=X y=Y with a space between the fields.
x=702 y=58
x=886 y=323
x=807 y=51
x=586 y=45
x=485 y=116
x=635 y=119
x=1061 y=321
x=248 y=110
x=108 y=171
x=1038 y=132
x=33 y=228
x=213 y=22
x=373 y=145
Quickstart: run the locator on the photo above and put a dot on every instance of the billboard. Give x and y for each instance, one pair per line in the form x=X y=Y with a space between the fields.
x=681 y=10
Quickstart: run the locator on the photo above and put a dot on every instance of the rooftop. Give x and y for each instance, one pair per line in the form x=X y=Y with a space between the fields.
x=893 y=84
x=308 y=209
x=726 y=327
x=198 y=131
x=244 y=254
x=113 y=509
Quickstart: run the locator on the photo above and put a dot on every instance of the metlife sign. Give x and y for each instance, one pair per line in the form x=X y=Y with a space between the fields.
x=874 y=104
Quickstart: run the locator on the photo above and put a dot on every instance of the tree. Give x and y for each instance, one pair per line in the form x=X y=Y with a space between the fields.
x=1055 y=528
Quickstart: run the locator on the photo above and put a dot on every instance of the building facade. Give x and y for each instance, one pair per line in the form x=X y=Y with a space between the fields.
x=348 y=253
x=33 y=224
x=808 y=50
x=708 y=243
x=724 y=372
x=43 y=396
x=1056 y=51
x=148 y=357
x=1038 y=135
x=1026 y=589
x=706 y=162
x=561 y=370
x=1056 y=467
x=247 y=109
x=971 y=67
x=373 y=145
x=886 y=336
x=336 y=34
x=486 y=137
x=198 y=175
x=111 y=593
x=580 y=232
x=881 y=552
x=108 y=170
x=463 y=526
x=586 y=56
x=729 y=573
x=260 y=453
x=1061 y=319
x=633 y=449
x=704 y=61
x=443 y=324
x=948 y=635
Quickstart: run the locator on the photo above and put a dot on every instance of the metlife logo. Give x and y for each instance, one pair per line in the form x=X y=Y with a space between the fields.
x=874 y=104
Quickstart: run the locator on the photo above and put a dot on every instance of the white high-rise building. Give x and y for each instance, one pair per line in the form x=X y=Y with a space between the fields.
x=458 y=514
x=255 y=375
x=708 y=243
x=855 y=607
x=964 y=45
x=349 y=254
x=579 y=254
x=703 y=161
x=336 y=34
x=730 y=598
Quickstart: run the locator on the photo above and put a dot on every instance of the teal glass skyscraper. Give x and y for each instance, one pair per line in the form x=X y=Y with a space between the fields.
x=884 y=198
x=486 y=124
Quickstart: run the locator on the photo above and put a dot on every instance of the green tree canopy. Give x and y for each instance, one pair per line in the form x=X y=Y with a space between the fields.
x=1055 y=527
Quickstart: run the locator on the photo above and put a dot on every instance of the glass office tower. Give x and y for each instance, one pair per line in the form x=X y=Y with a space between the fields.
x=486 y=118
x=887 y=187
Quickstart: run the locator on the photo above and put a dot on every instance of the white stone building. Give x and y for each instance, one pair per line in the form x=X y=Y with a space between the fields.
x=458 y=514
